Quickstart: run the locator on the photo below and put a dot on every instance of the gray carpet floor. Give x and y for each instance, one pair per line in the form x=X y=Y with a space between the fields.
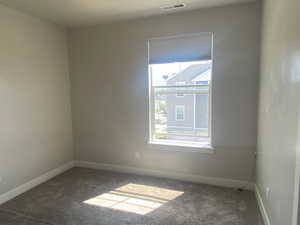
x=92 y=197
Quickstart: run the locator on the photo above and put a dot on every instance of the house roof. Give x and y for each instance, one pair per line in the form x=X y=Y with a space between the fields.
x=196 y=72
x=203 y=76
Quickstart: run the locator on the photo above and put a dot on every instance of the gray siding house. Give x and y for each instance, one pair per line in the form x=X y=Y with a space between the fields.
x=187 y=113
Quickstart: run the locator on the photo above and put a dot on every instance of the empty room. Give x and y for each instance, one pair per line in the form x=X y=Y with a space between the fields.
x=159 y=112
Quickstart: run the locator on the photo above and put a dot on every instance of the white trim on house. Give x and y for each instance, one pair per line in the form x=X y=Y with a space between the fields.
x=35 y=182
x=262 y=207
x=178 y=83
x=223 y=182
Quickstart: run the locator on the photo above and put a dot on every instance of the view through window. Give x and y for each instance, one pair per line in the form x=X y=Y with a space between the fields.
x=180 y=100
x=180 y=71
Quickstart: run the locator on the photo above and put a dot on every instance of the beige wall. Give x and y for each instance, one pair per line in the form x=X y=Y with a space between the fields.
x=109 y=83
x=35 y=116
x=279 y=112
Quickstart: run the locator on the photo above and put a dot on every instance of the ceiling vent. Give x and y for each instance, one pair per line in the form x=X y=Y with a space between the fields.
x=172 y=7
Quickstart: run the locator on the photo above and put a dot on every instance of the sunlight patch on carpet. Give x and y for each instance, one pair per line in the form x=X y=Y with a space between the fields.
x=135 y=198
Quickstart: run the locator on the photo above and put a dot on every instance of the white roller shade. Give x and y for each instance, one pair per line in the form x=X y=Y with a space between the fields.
x=192 y=47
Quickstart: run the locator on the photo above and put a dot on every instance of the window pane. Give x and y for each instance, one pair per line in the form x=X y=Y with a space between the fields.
x=186 y=116
x=180 y=101
x=179 y=112
x=180 y=72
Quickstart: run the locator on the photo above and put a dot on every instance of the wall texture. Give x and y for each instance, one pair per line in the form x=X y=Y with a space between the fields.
x=109 y=83
x=279 y=112
x=35 y=115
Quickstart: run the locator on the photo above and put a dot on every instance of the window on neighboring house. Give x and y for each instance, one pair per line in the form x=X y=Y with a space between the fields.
x=180 y=86
x=180 y=95
x=179 y=112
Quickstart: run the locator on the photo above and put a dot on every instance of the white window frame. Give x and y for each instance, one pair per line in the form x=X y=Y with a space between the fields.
x=205 y=146
x=180 y=83
x=183 y=112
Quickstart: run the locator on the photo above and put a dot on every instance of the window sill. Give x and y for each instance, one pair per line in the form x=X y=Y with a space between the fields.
x=202 y=147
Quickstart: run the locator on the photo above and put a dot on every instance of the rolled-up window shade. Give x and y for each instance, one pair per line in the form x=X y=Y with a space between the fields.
x=195 y=47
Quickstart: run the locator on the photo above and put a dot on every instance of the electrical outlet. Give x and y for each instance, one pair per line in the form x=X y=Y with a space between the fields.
x=137 y=155
x=267 y=193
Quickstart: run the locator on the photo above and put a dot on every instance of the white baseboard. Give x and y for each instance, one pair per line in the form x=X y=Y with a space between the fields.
x=35 y=182
x=173 y=175
x=262 y=207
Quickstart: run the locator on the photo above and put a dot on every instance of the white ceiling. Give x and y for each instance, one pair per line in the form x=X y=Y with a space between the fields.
x=87 y=12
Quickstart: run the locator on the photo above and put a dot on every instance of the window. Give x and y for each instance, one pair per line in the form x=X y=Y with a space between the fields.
x=179 y=112
x=180 y=87
x=180 y=95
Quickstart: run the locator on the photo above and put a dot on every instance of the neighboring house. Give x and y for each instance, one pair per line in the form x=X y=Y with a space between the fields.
x=188 y=113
